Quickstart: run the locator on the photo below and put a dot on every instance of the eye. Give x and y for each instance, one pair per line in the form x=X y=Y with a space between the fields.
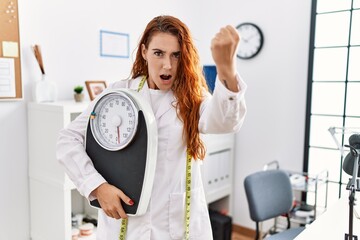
x=176 y=54
x=158 y=53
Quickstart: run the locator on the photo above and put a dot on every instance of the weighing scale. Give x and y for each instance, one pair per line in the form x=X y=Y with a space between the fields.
x=121 y=140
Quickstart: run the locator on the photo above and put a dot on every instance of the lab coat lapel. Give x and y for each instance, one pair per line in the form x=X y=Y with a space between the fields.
x=144 y=92
x=166 y=104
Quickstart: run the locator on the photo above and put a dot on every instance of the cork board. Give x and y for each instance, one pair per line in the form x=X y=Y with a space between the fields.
x=10 y=63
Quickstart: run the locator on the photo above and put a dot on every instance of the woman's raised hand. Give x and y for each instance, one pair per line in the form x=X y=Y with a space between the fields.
x=223 y=49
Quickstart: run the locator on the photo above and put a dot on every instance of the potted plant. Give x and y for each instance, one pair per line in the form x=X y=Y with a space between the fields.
x=78 y=95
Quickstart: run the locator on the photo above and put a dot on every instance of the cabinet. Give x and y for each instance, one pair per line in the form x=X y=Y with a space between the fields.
x=217 y=171
x=53 y=196
x=50 y=188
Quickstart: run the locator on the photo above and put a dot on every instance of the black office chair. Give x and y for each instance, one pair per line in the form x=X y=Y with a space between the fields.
x=269 y=195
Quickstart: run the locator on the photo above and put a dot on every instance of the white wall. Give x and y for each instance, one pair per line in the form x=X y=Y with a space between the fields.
x=276 y=97
x=68 y=32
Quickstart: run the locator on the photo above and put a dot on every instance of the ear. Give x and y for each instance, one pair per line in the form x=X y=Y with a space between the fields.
x=143 y=51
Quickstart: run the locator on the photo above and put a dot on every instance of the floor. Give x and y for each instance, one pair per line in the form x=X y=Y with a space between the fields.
x=237 y=236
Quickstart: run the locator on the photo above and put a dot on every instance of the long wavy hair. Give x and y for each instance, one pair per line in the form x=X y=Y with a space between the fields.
x=190 y=82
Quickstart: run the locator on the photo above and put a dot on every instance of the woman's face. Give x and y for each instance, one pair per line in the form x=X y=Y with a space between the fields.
x=162 y=56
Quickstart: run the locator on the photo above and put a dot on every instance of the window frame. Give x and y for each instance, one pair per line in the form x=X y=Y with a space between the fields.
x=309 y=114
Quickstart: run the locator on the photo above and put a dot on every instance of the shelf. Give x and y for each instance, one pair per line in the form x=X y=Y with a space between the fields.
x=50 y=188
x=306 y=183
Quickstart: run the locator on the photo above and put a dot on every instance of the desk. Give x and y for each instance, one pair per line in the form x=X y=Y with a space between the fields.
x=333 y=224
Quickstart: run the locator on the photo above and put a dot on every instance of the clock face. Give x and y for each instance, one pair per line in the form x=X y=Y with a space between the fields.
x=251 y=40
x=114 y=121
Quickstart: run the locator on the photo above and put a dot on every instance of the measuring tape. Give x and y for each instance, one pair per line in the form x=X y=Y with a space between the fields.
x=187 y=195
x=124 y=222
x=123 y=229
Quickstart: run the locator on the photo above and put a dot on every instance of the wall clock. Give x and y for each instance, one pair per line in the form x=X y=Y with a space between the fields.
x=251 y=40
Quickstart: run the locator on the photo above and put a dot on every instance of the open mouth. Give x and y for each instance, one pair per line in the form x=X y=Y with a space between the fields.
x=165 y=77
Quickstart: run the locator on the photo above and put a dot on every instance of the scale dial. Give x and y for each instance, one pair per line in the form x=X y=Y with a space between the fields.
x=114 y=121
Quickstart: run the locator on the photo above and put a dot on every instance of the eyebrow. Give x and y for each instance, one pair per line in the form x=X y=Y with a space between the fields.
x=157 y=49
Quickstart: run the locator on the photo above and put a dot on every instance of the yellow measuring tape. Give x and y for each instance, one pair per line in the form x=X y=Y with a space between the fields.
x=187 y=195
x=123 y=229
x=124 y=222
x=141 y=84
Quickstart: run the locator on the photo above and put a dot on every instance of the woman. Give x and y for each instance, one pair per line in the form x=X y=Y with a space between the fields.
x=183 y=108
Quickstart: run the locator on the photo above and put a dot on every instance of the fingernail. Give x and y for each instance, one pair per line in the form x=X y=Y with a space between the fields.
x=131 y=202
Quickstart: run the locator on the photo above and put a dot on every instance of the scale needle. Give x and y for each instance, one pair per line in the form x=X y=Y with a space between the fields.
x=118 y=132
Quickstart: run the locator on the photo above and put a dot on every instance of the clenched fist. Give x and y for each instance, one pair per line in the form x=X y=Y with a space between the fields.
x=223 y=50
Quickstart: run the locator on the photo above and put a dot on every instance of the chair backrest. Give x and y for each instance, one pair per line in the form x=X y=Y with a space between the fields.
x=269 y=194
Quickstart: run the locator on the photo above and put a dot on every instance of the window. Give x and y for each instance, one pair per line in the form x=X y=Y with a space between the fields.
x=333 y=87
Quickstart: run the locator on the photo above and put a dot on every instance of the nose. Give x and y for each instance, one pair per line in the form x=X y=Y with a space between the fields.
x=167 y=63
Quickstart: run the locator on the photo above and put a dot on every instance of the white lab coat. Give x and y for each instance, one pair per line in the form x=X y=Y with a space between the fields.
x=223 y=112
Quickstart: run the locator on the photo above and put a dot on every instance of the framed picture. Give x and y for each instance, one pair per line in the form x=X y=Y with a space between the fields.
x=94 y=88
x=114 y=44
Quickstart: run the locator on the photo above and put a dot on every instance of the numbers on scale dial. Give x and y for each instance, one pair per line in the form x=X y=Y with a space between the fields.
x=116 y=121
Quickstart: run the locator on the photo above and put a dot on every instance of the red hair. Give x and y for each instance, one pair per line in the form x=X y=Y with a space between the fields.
x=189 y=84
